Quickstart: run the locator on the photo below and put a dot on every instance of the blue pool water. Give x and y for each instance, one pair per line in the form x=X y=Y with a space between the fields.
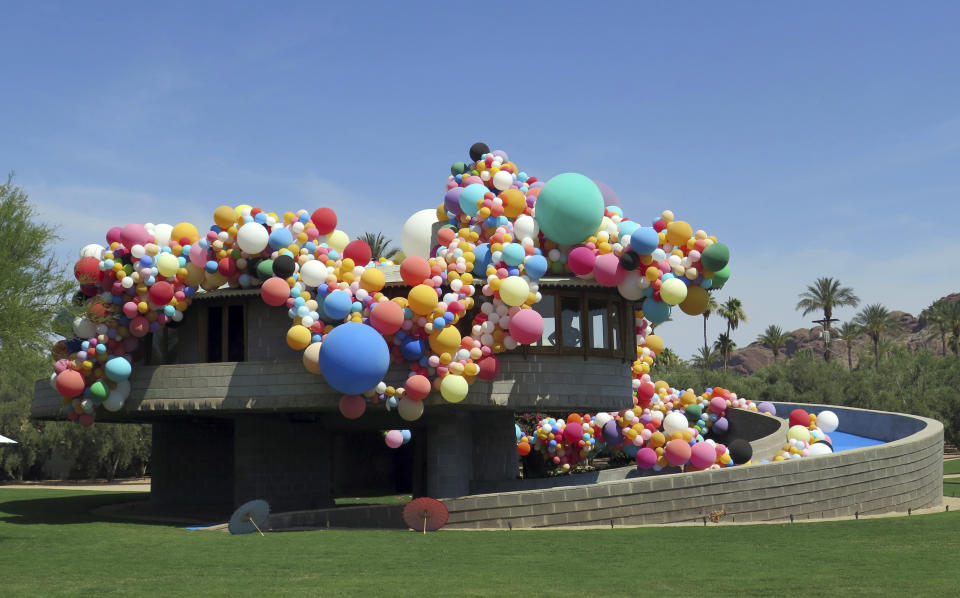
x=843 y=441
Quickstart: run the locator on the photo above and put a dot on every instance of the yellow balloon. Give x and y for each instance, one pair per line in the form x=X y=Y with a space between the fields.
x=654 y=343
x=422 y=299
x=696 y=301
x=167 y=264
x=454 y=388
x=194 y=275
x=338 y=240
x=311 y=357
x=225 y=217
x=673 y=291
x=298 y=337
x=514 y=203
x=372 y=280
x=445 y=340
x=185 y=230
x=239 y=209
x=514 y=290
x=678 y=232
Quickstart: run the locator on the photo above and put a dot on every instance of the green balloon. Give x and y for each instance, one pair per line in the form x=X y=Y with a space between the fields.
x=99 y=392
x=694 y=411
x=715 y=257
x=569 y=208
x=265 y=269
x=720 y=277
x=458 y=168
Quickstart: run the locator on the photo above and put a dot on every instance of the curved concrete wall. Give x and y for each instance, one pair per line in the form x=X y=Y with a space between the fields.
x=904 y=473
x=531 y=382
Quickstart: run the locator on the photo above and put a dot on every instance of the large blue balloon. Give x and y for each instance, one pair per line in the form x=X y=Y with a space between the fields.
x=481 y=259
x=644 y=240
x=337 y=305
x=354 y=358
x=655 y=311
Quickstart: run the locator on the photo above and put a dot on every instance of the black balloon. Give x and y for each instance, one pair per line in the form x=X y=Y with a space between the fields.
x=630 y=260
x=740 y=451
x=478 y=149
x=283 y=266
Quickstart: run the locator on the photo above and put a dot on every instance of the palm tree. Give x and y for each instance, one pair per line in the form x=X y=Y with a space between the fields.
x=732 y=312
x=667 y=357
x=711 y=308
x=380 y=246
x=849 y=332
x=951 y=314
x=774 y=339
x=875 y=319
x=704 y=357
x=826 y=294
x=934 y=315
x=725 y=345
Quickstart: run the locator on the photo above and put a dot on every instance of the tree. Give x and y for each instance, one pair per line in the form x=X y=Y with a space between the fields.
x=380 y=246
x=935 y=315
x=849 y=332
x=774 y=339
x=667 y=357
x=704 y=357
x=875 y=320
x=825 y=294
x=711 y=308
x=732 y=312
x=725 y=346
x=950 y=313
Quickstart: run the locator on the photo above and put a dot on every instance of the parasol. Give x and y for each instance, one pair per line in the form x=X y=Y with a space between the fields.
x=428 y=514
x=249 y=516
x=5 y=440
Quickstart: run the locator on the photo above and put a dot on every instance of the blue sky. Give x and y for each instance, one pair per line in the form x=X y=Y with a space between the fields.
x=817 y=139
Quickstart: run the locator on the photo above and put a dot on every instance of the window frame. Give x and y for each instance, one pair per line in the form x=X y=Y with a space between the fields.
x=203 y=331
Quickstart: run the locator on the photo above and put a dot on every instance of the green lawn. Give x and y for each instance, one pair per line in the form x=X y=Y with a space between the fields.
x=50 y=545
x=951 y=466
x=391 y=499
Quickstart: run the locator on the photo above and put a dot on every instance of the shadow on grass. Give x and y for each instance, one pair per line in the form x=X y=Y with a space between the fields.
x=38 y=507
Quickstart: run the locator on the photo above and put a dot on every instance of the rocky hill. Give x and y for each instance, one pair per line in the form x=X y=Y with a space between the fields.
x=913 y=333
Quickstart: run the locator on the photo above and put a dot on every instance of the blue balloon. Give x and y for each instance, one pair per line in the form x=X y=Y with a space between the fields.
x=412 y=349
x=644 y=240
x=519 y=433
x=280 y=238
x=354 y=358
x=535 y=266
x=481 y=259
x=406 y=436
x=117 y=369
x=469 y=197
x=655 y=311
x=337 y=305
x=513 y=254
x=627 y=227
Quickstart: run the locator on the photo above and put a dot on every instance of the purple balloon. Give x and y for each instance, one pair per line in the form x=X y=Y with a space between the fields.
x=721 y=425
x=766 y=407
x=501 y=154
x=451 y=201
x=609 y=195
x=611 y=433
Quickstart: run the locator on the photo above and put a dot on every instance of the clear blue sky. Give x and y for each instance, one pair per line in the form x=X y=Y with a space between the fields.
x=817 y=139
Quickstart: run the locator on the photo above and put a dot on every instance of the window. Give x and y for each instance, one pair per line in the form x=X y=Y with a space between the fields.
x=163 y=346
x=597 y=310
x=547 y=308
x=225 y=332
x=585 y=322
x=570 y=312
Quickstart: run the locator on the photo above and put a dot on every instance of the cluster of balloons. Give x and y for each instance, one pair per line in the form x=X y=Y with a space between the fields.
x=808 y=435
x=396 y=438
x=667 y=427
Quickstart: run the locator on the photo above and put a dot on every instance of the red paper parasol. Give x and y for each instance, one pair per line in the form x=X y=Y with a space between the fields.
x=424 y=513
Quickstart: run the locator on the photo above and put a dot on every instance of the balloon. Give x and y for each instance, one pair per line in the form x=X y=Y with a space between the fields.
x=801 y=433
x=827 y=421
x=372 y=280
x=414 y=270
x=740 y=451
x=314 y=273
x=422 y=299
x=766 y=407
x=514 y=291
x=354 y=358
x=225 y=217
x=284 y=266
x=581 y=260
x=113 y=402
x=167 y=264
x=526 y=326
x=573 y=433
x=352 y=406
x=298 y=337
x=607 y=270
x=469 y=197
x=417 y=387
x=677 y=451
x=386 y=317
x=280 y=238
x=135 y=234
x=184 y=230
x=338 y=240
x=478 y=149
x=654 y=343
x=198 y=255
x=489 y=368
x=409 y=410
x=311 y=358
x=513 y=254
x=117 y=369
x=502 y=180
x=162 y=234
x=675 y=422
x=611 y=433
x=818 y=448
x=394 y=438
x=325 y=220
x=454 y=388
x=139 y=326
x=720 y=277
x=569 y=208
x=451 y=201
x=337 y=304
x=87 y=270
x=523 y=449
x=695 y=302
x=632 y=287
x=358 y=251
x=70 y=383
x=99 y=391
x=703 y=455
x=721 y=426
x=417 y=233
x=715 y=257
x=799 y=417
x=445 y=340
x=646 y=458
x=644 y=240
x=535 y=266
x=160 y=292
x=678 y=232
x=93 y=250
x=275 y=291
x=609 y=196
x=655 y=311
x=525 y=227
x=252 y=238
x=673 y=291
x=514 y=203
x=84 y=328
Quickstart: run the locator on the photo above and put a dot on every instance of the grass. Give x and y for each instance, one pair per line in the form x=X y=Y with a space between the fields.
x=392 y=499
x=51 y=545
x=951 y=466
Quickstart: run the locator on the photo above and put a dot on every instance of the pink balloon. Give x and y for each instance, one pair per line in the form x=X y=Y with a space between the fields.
x=135 y=234
x=646 y=458
x=115 y=235
x=677 y=452
x=394 y=438
x=352 y=406
x=198 y=255
x=703 y=455
x=526 y=326
x=718 y=405
x=573 y=433
x=581 y=260
x=608 y=271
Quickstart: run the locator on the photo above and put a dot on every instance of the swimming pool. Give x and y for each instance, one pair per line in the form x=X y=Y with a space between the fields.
x=843 y=441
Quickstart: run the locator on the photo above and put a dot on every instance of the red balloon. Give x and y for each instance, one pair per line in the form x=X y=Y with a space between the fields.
x=139 y=326
x=325 y=220
x=70 y=383
x=228 y=268
x=417 y=387
x=275 y=291
x=386 y=317
x=414 y=270
x=358 y=251
x=87 y=270
x=799 y=417
x=489 y=368
x=160 y=292
x=677 y=452
x=523 y=448
x=86 y=420
x=352 y=406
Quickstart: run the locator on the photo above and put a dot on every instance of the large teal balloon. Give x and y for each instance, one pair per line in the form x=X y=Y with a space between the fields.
x=569 y=208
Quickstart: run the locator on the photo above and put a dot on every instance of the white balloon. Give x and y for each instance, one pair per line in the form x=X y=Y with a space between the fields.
x=92 y=250
x=113 y=402
x=417 y=233
x=525 y=227
x=827 y=421
x=122 y=390
x=675 y=422
x=314 y=273
x=83 y=328
x=161 y=234
x=409 y=409
x=630 y=287
x=253 y=238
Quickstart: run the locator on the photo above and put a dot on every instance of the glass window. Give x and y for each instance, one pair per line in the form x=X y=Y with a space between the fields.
x=570 y=326
x=597 y=308
x=164 y=346
x=547 y=308
x=615 y=325
x=235 y=344
x=214 y=334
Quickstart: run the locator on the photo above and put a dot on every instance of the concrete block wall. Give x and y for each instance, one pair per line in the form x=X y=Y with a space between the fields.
x=901 y=474
x=192 y=462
